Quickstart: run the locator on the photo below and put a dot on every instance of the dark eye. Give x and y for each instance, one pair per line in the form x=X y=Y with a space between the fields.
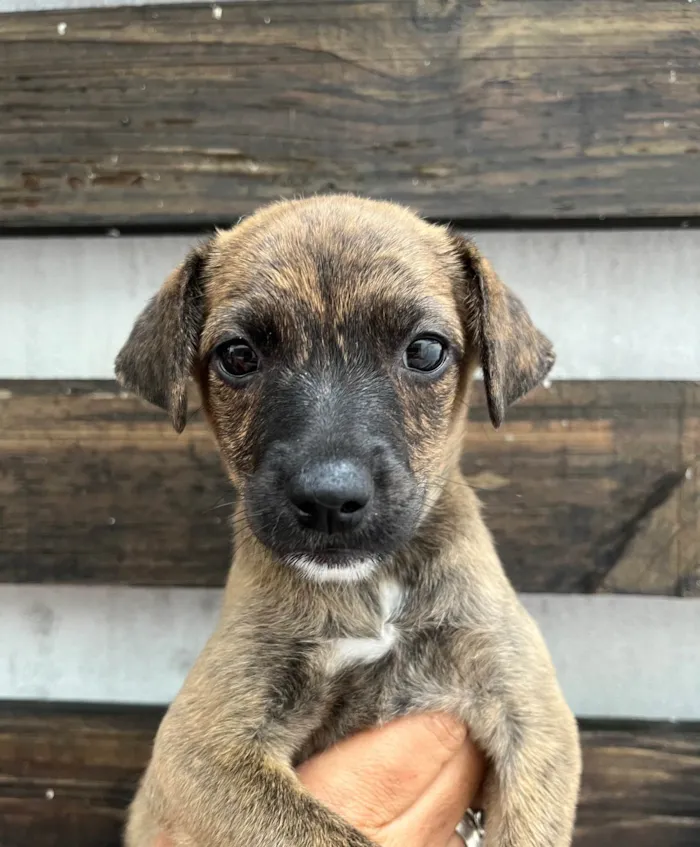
x=425 y=353
x=236 y=359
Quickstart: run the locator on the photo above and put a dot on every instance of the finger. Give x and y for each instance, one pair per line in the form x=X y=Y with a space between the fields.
x=372 y=778
x=432 y=819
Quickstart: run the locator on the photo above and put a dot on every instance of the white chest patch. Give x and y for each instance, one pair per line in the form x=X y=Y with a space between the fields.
x=350 y=651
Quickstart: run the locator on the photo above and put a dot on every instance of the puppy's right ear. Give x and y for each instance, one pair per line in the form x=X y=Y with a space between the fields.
x=160 y=353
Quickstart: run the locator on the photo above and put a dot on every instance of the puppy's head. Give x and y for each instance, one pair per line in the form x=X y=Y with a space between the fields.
x=333 y=339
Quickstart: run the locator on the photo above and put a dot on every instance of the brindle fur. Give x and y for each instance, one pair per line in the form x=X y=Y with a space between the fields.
x=266 y=693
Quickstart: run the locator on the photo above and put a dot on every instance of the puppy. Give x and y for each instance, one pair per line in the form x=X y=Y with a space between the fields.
x=334 y=340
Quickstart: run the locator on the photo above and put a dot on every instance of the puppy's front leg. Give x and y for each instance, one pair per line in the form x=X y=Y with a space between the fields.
x=519 y=717
x=238 y=798
x=220 y=774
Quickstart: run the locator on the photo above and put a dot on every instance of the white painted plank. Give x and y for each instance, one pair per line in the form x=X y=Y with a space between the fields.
x=7 y=6
x=68 y=303
x=101 y=644
x=627 y=657
x=618 y=304
x=624 y=656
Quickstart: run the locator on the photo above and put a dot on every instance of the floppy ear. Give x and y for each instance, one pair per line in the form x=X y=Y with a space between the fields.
x=515 y=355
x=159 y=355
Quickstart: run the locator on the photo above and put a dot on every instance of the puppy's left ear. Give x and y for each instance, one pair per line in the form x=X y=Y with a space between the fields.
x=515 y=355
x=160 y=353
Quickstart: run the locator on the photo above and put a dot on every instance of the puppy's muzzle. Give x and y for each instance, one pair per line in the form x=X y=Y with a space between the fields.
x=331 y=496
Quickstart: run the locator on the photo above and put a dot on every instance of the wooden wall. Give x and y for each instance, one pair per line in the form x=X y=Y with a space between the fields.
x=591 y=487
x=69 y=772
x=172 y=115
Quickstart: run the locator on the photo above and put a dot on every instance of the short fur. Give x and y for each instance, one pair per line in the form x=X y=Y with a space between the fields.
x=327 y=288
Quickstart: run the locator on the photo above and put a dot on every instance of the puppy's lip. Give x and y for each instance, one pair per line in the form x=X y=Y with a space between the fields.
x=353 y=568
x=331 y=557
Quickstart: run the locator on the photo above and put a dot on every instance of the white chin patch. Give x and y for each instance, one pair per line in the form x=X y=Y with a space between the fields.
x=353 y=571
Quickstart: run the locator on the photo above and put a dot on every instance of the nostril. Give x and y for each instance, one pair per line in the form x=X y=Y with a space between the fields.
x=331 y=496
x=351 y=507
x=306 y=507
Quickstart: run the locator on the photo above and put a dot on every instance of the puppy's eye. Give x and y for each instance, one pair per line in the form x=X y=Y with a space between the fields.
x=425 y=353
x=236 y=359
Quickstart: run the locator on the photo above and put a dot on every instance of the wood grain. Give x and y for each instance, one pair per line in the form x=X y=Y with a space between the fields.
x=641 y=786
x=589 y=487
x=68 y=772
x=170 y=115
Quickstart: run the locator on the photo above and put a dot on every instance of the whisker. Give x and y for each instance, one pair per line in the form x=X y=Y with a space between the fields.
x=219 y=506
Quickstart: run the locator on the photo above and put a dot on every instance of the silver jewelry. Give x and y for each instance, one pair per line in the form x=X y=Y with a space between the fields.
x=471 y=828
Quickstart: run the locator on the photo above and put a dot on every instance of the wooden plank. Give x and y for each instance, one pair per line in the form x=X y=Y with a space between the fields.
x=121 y=644
x=94 y=487
x=184 y=114
x=600 y=330
x=641 y=786
x=589 y=487
x=599 y=491
x=68 y=773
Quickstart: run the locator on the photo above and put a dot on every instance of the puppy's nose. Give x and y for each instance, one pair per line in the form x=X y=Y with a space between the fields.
x=331 y=496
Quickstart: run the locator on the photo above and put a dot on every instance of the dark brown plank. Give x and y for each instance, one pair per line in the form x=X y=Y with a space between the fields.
x=593 y=487
x=589 y=487
x=96 y=487
x=641 y=786
x=68 y=772
x=507 y=110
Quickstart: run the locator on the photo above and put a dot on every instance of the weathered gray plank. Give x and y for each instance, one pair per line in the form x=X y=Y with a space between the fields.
x=537 y=109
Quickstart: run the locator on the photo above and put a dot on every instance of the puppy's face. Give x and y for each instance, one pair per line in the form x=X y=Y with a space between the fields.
x=333 y=340
x=334 y=348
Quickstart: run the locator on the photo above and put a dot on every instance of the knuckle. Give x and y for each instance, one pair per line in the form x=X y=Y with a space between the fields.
x=449 y=732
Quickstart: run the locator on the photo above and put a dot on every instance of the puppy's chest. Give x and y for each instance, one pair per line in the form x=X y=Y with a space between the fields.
x=379 y=662
x=361 y=647
x=406 y=664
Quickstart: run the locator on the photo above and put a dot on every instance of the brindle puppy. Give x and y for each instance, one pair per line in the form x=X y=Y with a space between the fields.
x=334 y=340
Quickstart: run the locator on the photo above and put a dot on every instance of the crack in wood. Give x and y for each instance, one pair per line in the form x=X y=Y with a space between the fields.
x=615 y=549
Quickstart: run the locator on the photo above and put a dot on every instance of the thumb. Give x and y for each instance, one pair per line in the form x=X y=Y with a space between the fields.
x=374 y=777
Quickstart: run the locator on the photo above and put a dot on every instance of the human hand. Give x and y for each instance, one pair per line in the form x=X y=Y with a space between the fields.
x=406 y=784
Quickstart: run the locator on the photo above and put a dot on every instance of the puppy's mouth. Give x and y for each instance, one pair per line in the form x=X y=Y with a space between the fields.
x=325 y=540
x=334 y=565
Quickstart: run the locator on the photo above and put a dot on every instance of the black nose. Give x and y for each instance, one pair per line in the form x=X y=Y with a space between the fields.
x=331 y=496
